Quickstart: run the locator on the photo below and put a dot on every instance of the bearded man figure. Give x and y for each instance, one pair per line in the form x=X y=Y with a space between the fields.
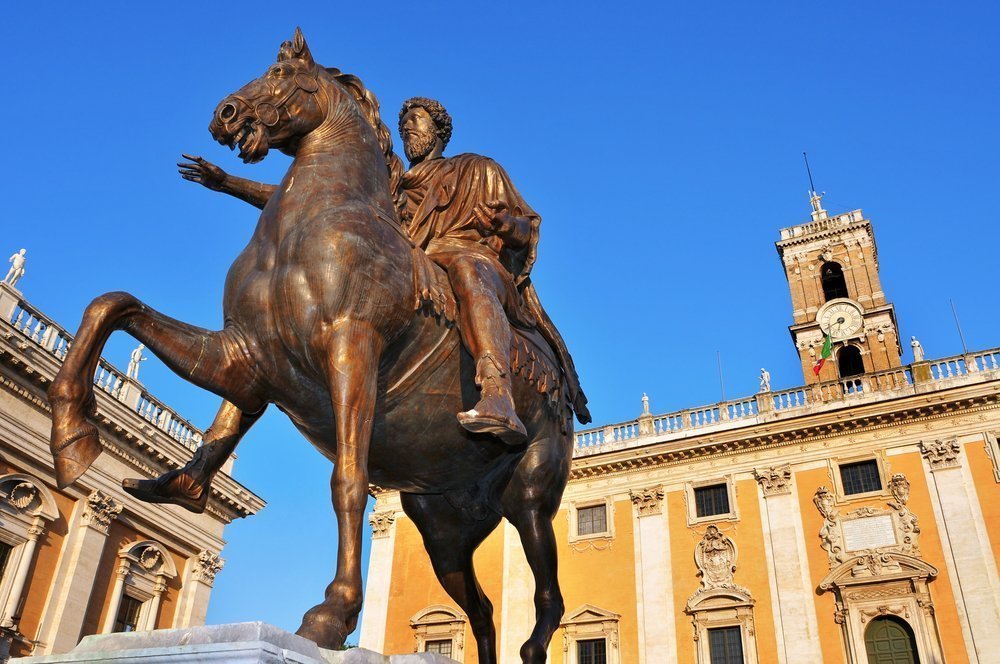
x=466 y=214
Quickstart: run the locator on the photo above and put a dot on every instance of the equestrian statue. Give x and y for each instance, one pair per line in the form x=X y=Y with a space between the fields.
x=390 y=314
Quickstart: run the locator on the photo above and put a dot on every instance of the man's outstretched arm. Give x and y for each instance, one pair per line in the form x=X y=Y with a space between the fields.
x=208 y=174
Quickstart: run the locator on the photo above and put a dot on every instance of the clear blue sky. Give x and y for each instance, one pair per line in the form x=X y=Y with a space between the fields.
x=661 y=143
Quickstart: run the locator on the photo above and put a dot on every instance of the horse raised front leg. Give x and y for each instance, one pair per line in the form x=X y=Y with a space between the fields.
x=215 y=361
x=353 y=375
x=190 y=485
x=530 y=502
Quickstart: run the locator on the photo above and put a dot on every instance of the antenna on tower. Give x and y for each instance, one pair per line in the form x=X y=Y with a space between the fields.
x=814 y=197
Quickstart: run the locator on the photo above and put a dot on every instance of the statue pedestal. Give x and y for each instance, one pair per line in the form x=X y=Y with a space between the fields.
x=238 y=643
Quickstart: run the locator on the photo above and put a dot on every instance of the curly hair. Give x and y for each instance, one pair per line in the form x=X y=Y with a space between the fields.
x=434 y=109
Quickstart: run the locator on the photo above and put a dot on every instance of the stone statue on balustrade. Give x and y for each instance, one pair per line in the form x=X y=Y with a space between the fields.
x=134 y=360
x=765 y=380
x=16 y=270
x=371 y=305
x=918 y=350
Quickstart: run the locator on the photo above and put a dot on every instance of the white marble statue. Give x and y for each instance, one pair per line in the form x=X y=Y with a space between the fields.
x=134 y=360
x=765 y=380
x=918 y=350
x=645 y=404
x=16 y=270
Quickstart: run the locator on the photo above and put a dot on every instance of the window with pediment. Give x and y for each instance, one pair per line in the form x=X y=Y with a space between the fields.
x=590 y=636
x=440 y=629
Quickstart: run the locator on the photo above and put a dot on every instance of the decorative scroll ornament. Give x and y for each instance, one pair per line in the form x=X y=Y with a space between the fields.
x=774 y=481
x=941 y=453
x=381 y=522
x=829 y=534
x=208 y=565
x=22 y=495
x=715 y=557
x=100 y=511
x=648 y=501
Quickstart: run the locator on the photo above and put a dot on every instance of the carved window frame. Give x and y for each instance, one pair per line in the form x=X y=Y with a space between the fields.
x=572 y=513
x=16 y=525
x=992 y=444
x=141 y=582
x=878 y=457
x=440 y=623
x=722 y=607
x=589 y=622
x=692 y=508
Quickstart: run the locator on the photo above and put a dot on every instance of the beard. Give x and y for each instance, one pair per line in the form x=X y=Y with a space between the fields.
x=418 y=144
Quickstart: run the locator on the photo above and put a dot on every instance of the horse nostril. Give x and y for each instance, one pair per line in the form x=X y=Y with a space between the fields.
x=227 y=112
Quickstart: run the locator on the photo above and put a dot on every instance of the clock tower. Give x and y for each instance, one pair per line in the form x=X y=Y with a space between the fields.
x=832 y=268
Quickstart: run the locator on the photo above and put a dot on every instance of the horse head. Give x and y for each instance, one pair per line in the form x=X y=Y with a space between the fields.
x=277 y=109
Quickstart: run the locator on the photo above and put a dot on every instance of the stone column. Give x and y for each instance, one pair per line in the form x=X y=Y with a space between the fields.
x=379 y=577
x=796 y=628
x=193 y=602
x=35 y=532
x=654 y=583
x=972 y=568
x=517 y=615
x=124 y=567
x=153 y=610
x=73 y=582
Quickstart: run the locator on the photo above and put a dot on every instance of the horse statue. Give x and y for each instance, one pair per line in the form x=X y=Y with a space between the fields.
x=320 y=320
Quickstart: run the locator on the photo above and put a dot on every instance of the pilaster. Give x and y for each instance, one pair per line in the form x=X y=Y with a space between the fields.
x=73 y=582
x=654 y=582
x=376 y=613
x=967 y=548
x=796 y=627
x=517 y=615
x=199 y=577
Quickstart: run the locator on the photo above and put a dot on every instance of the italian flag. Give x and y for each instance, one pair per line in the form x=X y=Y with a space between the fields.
x=824 y=355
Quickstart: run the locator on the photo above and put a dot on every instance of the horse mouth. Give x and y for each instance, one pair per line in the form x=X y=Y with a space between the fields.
x=251 y=140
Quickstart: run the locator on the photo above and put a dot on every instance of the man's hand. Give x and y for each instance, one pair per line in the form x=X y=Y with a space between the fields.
x=492 y=219
x=203 y=172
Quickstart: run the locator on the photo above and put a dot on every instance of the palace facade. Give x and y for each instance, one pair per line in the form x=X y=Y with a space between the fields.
x=90 y=558
x=851 y=519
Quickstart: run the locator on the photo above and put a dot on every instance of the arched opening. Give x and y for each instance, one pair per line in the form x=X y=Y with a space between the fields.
x=889 y=640
x=849 y=362
x=832 y=278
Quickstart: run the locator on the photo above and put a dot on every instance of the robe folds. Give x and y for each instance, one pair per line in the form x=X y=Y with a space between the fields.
x=441 y=196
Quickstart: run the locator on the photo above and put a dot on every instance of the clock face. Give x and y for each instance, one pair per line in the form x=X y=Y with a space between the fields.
x=841 y=318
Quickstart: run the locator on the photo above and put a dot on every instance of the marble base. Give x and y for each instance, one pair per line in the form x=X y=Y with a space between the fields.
x=238 y=643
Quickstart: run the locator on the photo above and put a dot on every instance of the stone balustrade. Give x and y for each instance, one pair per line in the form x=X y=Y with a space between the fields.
x=830 y=223
x=768 y=406
x=38 y=330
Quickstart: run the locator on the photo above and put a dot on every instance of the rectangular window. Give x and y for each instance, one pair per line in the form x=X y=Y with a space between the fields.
x=711 y=500
x=592 y=651
x=725 y=645
x=128 y=614
x=441 y=647
x=5 y=551
x=860 y=477
x=592 y=520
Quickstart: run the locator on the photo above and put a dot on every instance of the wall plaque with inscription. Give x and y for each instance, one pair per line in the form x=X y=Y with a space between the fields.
x=870 y=532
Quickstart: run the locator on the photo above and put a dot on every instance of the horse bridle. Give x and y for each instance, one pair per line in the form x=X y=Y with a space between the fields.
x=268 y=113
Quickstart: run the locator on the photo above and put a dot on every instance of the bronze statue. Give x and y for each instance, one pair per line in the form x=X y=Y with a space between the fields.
x=338 y=317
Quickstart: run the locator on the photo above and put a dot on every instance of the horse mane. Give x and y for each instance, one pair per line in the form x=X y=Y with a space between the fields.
x=368 y=103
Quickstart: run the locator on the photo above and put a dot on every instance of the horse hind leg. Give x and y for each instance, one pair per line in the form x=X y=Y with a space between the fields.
x=451 y=537
x=211 y=360
x=530 y=501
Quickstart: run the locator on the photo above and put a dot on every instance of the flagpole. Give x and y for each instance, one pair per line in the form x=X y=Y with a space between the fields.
x=965 y=349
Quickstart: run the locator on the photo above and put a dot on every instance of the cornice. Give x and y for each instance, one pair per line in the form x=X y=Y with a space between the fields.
x=808 y=428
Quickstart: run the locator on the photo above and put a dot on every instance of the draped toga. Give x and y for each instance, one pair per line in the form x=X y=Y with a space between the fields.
x=441 y=196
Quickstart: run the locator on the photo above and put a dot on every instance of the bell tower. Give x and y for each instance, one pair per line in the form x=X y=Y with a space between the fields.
x=832 y=268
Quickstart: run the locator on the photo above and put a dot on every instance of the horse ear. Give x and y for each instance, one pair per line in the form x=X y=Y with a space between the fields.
x=297 y=48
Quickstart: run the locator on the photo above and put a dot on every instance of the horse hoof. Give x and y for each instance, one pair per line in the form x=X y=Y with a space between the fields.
x=533 y=653
x=73 y=453
x=325 y=629
x=172 y=488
